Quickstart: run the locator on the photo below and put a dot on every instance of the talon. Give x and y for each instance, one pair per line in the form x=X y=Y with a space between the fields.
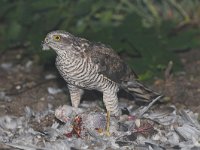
x=107 y=133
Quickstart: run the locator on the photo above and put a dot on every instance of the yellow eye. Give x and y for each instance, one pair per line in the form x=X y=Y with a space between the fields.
x=56 y=37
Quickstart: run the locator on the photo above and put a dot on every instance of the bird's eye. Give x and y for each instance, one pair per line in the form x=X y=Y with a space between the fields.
x=56 y=37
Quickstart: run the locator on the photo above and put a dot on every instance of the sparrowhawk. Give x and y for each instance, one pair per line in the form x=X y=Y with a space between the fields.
x=89 y=65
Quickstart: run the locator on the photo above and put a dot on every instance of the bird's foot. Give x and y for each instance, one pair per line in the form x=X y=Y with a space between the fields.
x=108 y=124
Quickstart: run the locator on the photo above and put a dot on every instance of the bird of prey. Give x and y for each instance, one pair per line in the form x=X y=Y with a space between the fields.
x=89 y=65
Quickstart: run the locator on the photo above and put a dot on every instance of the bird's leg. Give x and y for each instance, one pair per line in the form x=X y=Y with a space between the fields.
x=111 y=102
x=75 y=95
x=108 y=123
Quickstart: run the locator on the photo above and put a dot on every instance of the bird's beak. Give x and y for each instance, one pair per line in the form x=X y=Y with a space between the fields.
x=45 y=45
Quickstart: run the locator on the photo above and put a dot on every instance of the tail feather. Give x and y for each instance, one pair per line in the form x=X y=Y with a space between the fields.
x=139 y=91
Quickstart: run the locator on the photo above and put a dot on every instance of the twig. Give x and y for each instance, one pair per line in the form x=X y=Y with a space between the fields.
x=168 y=70
x=146 y=108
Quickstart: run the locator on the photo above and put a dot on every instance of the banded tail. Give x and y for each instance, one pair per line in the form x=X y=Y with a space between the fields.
x=139 y=91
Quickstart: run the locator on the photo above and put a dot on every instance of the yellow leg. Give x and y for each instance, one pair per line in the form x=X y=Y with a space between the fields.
x=108 y=123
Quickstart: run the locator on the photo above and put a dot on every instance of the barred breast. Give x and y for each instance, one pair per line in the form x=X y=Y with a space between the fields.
x=83 y=73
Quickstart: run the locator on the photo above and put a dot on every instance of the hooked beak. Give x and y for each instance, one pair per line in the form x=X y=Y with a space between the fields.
x=45 y=45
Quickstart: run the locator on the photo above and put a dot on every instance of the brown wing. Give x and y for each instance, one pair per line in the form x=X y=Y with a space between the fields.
x=110 y=64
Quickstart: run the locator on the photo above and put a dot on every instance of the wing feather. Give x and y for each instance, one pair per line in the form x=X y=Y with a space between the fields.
x=109 y=63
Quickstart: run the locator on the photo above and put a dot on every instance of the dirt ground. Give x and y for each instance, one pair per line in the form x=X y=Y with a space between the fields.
x=25 y=83
x=183 y=88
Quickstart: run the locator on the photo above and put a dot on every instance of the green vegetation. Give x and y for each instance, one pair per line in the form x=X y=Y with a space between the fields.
x=147 y=33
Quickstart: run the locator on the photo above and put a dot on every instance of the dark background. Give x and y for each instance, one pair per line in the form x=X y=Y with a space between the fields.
x=146 y=33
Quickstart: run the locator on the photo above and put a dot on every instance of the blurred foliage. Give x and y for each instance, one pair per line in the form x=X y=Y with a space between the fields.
x=147 y=33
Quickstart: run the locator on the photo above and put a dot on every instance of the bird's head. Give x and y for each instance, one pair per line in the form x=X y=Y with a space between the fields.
x=58 y=40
